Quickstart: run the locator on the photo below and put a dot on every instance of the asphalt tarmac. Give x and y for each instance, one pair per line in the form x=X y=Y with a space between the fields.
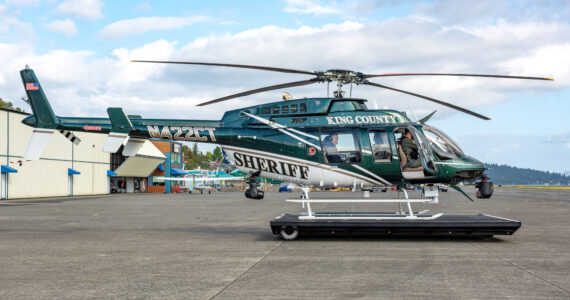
x=220 y=246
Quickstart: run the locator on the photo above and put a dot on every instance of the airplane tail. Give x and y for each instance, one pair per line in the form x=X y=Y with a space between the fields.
x=44 y=121
x=43 y=114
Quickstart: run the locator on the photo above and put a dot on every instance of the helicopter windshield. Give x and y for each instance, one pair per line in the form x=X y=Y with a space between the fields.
x=443 y=145
x=347 y=106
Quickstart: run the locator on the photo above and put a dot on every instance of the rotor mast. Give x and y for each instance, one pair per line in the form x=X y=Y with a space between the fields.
x=341 y=77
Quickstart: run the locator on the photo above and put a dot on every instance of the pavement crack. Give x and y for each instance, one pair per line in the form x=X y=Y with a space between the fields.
x=520 y=268
x=248 y=269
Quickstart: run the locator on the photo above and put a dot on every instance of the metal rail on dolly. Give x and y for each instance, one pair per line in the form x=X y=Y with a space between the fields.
x=431 y=197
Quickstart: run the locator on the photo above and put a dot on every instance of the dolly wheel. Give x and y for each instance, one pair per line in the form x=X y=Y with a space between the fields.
x=289 y=233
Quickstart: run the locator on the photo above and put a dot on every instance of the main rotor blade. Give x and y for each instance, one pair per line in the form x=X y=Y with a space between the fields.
x=264 y=89
x=452 y=74
x=428 y=98
x=282 y=70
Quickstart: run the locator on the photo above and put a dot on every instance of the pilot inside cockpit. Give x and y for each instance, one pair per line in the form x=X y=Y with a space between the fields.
x=329 y=146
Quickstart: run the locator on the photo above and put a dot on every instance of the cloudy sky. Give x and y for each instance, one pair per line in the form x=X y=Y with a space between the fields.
x=80 y=50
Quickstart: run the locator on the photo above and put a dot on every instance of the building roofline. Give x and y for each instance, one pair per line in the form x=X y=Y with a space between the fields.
x=14 y=111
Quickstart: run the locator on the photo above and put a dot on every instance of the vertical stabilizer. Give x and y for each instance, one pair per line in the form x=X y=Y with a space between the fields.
x=45 y=118
x=121 y=127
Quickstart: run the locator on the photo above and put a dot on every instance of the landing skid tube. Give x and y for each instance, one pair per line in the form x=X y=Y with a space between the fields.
x=400 y=215
x=389 y=224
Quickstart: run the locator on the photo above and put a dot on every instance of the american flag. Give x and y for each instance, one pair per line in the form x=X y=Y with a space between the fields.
x=32 y=86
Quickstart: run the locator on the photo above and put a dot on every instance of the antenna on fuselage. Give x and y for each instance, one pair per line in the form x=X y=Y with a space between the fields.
x=413 y=113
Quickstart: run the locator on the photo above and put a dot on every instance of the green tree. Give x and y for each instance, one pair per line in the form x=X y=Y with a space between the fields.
x=9 y=105
x=217 y=155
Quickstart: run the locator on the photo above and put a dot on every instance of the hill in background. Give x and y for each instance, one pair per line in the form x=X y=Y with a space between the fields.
x=503 y=174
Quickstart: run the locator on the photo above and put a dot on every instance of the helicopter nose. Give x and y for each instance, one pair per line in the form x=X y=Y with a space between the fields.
x=473 y=161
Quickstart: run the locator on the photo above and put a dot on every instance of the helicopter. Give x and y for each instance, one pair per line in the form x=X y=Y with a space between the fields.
x=328 y=141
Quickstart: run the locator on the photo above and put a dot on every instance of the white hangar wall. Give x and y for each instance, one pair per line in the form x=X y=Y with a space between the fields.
x=48 y=176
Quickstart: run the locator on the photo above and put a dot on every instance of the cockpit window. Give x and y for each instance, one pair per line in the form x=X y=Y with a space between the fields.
x=347 y=106
x=443 y=145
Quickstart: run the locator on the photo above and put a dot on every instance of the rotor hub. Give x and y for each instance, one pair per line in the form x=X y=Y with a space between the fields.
x=342 y=76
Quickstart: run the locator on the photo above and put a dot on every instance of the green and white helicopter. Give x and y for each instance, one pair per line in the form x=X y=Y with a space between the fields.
x=291 y=140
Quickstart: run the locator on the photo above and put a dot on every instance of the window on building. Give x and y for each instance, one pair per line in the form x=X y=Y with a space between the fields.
x=175 y=153
x=303 y=107
x=285 y=109
x=117 y=159
x=276 y=110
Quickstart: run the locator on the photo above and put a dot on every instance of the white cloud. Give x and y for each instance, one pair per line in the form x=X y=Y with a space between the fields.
x=26 y=3
x=66 y=27
x=86 y=9
x=553 y=59
x=123 y=28
x=397 y=45
x=12 y=27
x=142 y=7
x=309 y=7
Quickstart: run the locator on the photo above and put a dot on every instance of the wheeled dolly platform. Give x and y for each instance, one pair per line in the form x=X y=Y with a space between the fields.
x=290 y=226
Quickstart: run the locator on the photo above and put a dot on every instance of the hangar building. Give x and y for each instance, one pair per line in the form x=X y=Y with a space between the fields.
x=66 y=169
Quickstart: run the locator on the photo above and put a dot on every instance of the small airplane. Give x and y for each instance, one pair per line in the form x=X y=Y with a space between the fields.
x=201 y=183
x=328 y=141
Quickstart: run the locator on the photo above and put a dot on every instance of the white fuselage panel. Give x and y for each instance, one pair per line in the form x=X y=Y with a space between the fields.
x=285 y=168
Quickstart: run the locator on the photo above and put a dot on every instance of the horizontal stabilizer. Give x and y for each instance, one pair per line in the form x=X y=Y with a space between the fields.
x=38 y=142
x=133 y=147
x=114 y=141
x=70 y=136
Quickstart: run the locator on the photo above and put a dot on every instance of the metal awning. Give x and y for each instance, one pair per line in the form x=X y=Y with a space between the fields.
x=176 y=171
x=8 y=169
x=111 y=173
x=71 y=171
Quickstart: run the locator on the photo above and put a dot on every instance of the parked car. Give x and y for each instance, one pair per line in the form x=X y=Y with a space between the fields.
x=286 y=187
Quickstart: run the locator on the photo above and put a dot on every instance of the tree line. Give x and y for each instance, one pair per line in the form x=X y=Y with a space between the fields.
x=9 y=105
x=504 y=174
x=194 y=158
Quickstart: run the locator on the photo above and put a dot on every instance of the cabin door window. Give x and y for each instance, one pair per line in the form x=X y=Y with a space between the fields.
x=380 y=146
x=340 y=147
